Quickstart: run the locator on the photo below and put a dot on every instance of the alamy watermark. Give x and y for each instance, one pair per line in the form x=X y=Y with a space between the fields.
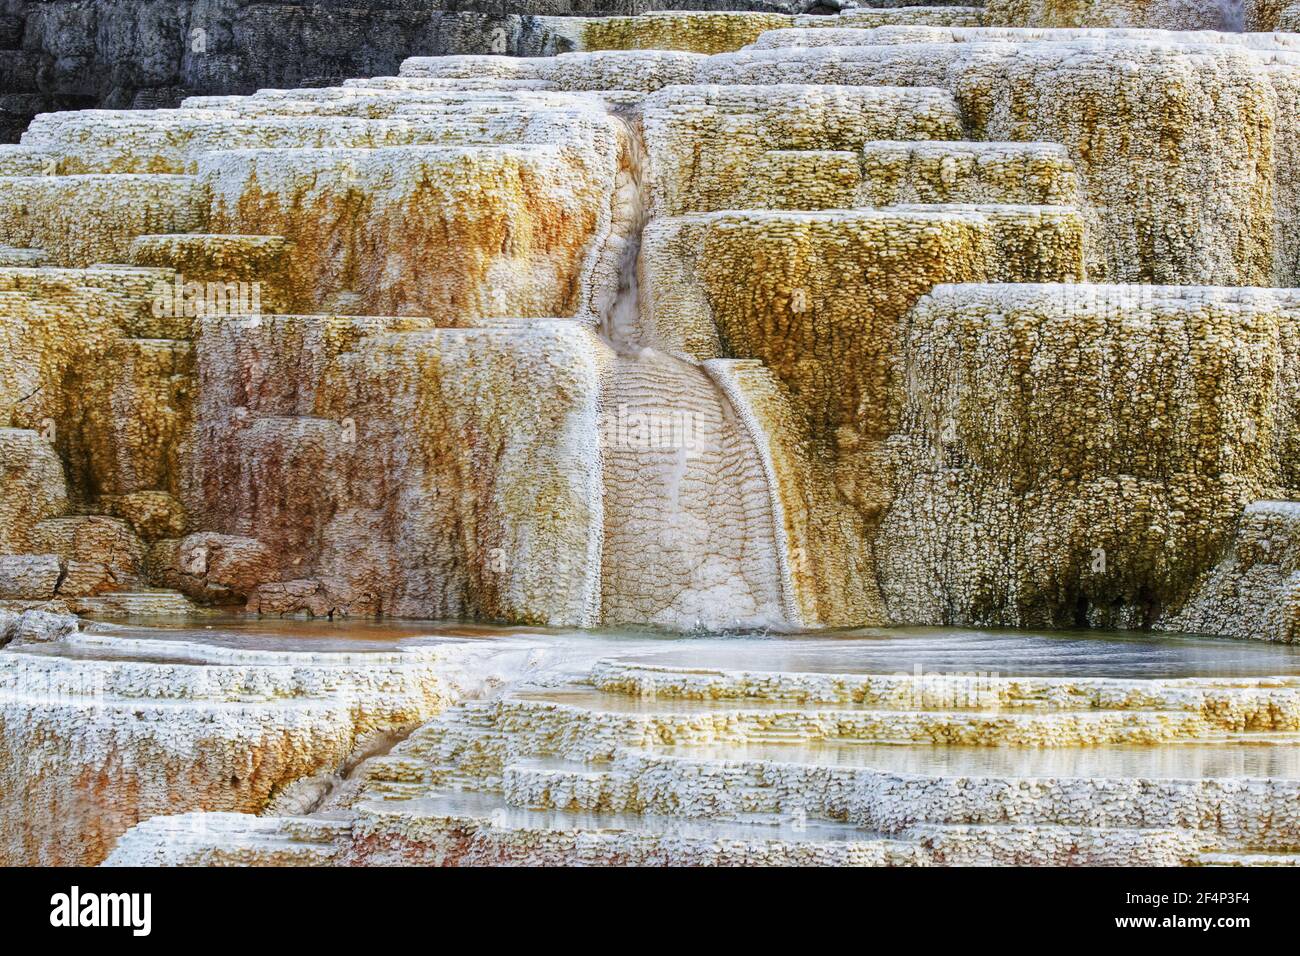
x=653 y=429
x=75 y=909
x=182 y=299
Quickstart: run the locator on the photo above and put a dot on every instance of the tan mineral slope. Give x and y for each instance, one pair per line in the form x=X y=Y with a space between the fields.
x=351 y=362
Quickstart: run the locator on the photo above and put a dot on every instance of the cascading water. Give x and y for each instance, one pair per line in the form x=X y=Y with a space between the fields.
x=1226 y=15
x=690 y=536
x=620 y=323
x=456 y=471
x=1233 y=14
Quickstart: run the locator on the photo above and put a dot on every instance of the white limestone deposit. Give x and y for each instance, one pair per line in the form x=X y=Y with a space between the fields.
x=801 y=200
x=647 y=763
x=101 y=731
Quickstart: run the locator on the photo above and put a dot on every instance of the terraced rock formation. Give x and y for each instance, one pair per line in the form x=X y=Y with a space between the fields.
x=69 y=54
x=643 y=763
x=944 y=316
x=104 y=727
x=381 y=348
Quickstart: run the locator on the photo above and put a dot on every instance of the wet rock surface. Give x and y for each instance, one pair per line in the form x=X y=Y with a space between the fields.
x=123 y=54
x=108 y=726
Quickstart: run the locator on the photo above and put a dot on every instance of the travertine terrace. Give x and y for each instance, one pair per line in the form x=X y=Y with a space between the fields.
x=646 y=758
x=957 y=315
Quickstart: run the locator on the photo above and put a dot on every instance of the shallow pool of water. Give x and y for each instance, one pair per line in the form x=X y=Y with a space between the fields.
x=1253 y=758
x=1122 y=654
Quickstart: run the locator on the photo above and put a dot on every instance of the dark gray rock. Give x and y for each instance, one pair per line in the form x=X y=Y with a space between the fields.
x=119 y=54
x=35 y=627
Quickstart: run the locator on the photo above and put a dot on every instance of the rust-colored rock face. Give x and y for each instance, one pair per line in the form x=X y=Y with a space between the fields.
x=229 y=403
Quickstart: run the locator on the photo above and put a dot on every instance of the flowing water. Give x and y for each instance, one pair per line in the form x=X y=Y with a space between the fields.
x=691 y=539
x=1226 y=15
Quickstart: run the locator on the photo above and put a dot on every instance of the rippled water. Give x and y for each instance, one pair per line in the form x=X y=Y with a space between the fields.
x=1000 y=652
x=864 y=651
x=1258 y=758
